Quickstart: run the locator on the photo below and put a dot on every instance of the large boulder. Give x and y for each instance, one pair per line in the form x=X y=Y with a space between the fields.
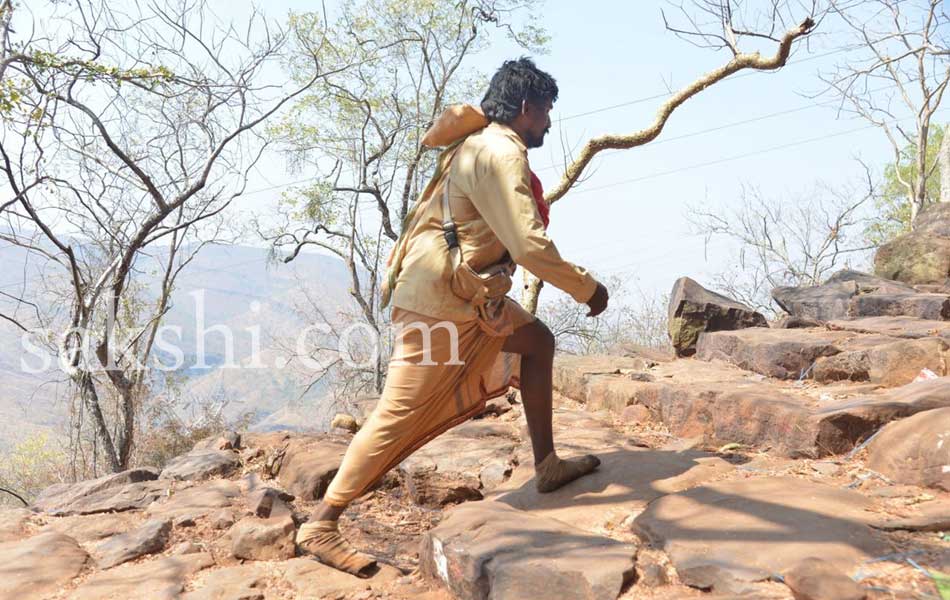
x=935 y=307
x=871 y=284
x=150 y=538
x=915 y=450
x=38 y=566
x=202 y=464
x=57 y=497
x=693 y=310
x=309 y=465
x=253 y=538
x=115 y=499
x=893 y=363
x=487 y=549
x=921 y=256
x=779 y=353
x=821 y=302
x=196 y=502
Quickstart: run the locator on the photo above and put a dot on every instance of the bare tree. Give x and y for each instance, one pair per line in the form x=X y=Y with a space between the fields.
x=897 y=80
x=131 y=132
x=719 y=25
x=640 y=321
x=789 y=243
x=361 y=131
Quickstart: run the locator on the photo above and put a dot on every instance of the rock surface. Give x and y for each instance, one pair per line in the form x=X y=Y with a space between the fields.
x=202 y=464
x=783 y=354
x=161 y=579
x=309 y=465
x=253 y=538
x=815 y=579
x=921 y=256
x=487 y=550
x=56 y=498
x=822 y=303
x=915 y=450
x=693 y=310
x=150 y=538
x=38 y=566
x=724 y=535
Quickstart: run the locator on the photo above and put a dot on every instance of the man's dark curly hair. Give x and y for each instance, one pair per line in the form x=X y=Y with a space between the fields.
x=517 y=81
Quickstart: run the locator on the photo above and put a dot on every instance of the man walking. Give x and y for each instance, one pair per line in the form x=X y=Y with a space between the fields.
x=448 y=276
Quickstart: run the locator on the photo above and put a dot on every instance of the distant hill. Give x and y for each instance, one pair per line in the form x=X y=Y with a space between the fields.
x=241 y=289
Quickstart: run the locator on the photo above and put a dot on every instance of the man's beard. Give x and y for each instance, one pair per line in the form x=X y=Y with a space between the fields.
x=536 y=141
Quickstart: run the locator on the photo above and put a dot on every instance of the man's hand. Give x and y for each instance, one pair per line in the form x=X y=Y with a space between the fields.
x=598 y=302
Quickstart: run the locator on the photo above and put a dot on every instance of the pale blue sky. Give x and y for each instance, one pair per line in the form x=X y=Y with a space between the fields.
x=613 y=52
x=628 y=218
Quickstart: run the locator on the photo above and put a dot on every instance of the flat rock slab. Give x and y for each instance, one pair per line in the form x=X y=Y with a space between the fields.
x=929 y=516
x=56 y=498
x=571 y=373
x=779 y=353
x=821 y=302
x=726 y=534
x=158 y=579
x=245 y=582
x=116 y=499
x=92 y=528
x=13 y=523
x=312 y=580
x=487 y=549
x=934 y=307
x=309 y=465
x=892 y=363
x=38 y=566
x=915 y=450
x=198 y=501
x=855 y=418
x=721 y=404
x=150 y=538
x=900 y=327
x=626 y=481
x=202 y=464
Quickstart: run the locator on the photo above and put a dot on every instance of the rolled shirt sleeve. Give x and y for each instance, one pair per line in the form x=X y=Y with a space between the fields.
x=501 y=192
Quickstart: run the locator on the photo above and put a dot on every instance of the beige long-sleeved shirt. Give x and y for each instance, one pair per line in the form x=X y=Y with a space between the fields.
x=495 y=213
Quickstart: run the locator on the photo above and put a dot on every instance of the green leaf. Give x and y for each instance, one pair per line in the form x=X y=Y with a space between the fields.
x=943 y=583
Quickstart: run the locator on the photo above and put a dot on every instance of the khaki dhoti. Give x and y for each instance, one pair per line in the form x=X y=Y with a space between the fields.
x=421 y=401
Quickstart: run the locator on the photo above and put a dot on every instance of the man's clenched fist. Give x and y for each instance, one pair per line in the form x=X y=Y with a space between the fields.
x=598 y=302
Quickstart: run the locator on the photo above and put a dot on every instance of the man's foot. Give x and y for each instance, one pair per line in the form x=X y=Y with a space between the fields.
x=322 y=540
x=553 y=473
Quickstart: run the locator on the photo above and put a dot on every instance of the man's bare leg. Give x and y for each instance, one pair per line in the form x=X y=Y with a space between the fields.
x=535 y=343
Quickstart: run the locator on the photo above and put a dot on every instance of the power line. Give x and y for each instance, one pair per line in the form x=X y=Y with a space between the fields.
x=613 y=107
x=723 y=160
x=667 y=94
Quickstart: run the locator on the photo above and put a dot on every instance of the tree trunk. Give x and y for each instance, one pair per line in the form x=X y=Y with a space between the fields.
x=90 y=398
x=944 y=159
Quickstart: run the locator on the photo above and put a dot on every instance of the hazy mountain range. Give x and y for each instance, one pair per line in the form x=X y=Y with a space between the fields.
x=241 y=289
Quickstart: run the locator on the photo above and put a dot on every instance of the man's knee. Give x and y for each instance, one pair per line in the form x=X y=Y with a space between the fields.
x=545 y=341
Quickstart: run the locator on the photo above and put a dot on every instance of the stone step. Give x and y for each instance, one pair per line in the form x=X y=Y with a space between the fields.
x=488 y=549
x=722 y=404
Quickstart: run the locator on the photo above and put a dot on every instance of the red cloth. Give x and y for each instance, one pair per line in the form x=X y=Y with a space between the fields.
x=538 y=192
